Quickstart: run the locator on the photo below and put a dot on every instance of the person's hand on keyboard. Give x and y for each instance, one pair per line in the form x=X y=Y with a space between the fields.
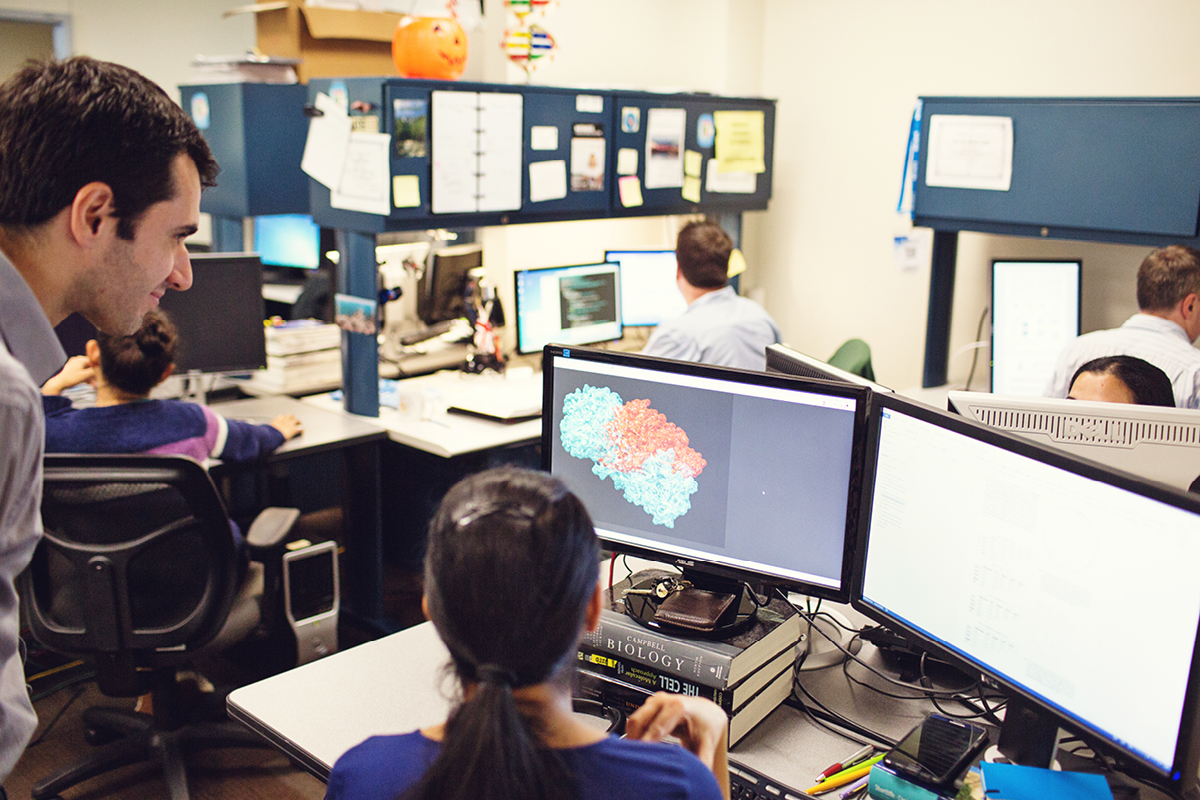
x=699 y=724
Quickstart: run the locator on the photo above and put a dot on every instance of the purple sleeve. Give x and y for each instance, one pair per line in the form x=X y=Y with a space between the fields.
x=245 y=441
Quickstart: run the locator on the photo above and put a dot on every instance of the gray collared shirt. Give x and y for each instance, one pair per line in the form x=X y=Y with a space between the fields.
x=718 y=328
x=29 y=354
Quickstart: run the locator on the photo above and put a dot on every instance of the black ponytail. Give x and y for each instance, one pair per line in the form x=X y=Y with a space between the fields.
x=135 y=363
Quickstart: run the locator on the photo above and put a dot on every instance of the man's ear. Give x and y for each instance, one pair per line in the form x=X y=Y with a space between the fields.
x=425 y=606
x=90 y=210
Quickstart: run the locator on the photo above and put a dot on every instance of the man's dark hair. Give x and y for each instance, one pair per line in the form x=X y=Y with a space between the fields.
x=65 y=124
x=702 y=251
x=135 y=363
x=1168 y=275
x=1148 y=384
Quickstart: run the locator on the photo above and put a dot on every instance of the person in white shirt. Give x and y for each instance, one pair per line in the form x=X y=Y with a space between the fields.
x=1162 y=332
x=718 y=327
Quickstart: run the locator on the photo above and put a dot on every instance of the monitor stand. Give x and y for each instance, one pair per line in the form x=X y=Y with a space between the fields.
x=641 y=604
x=1027 y=737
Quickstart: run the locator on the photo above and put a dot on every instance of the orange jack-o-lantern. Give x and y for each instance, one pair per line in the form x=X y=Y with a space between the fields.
x=429 y=47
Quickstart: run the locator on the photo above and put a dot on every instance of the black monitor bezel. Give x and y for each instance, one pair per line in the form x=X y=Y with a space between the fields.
x=608 y=257
x=860 y=394
x=1186 y=742
x=1078 y=262
x=517 y=303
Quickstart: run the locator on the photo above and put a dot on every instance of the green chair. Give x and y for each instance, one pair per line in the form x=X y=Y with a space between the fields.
x=854 y=356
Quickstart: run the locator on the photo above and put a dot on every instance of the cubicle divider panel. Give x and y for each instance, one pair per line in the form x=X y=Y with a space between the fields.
x=664 y=155
x=567 y=141
x=1111 y=169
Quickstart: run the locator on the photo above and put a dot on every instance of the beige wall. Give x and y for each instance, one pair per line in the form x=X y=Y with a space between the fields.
x=22 y=41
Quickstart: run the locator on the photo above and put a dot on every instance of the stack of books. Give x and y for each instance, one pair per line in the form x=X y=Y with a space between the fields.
x=302 y=355
x=622 y=662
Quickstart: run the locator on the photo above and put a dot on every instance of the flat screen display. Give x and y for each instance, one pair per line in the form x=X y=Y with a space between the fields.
x=649 y=294
x=1035 y=314
x=220 y=318
x=724 y=470
x=288 y=240
x=568 y=305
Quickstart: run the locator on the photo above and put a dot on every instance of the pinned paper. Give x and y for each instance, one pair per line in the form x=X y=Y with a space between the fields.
x=547 y=180
x=691 y=164
x=691 y=188
x=589 y=103
x=543 y=137
x=719 y=182
x=406 y=191
x=737 y=263
x=364 y=184
x=664 y=147
x=970 y=152
x=630 y=189
x=627 y=160
x=740 y=141
x=631 y=119
x=354 y=314
x=328 y=138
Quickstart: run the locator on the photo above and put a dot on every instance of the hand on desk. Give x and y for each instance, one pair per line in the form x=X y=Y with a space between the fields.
x=288 y=425
x=698 y=723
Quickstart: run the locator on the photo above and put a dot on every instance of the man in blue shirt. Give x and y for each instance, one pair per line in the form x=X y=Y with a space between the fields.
x=718 y=327
x=100 y=180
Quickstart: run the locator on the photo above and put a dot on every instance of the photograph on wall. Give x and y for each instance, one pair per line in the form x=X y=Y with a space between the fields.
x=664 y=147
x=412 y=120
x=587 y=157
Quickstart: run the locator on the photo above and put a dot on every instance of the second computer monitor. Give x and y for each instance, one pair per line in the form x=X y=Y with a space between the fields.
x=220 y=319
x=649 y=293
x=1035 y=313
x=288 y=240
x=568 y=305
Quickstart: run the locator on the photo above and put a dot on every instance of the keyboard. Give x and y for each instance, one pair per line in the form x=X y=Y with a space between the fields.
x=748 y=784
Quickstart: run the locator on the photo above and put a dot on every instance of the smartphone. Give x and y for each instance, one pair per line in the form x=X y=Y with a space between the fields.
x=310 y=592
x=938 y=751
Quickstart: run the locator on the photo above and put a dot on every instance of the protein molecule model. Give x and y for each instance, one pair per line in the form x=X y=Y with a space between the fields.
x=646 y=455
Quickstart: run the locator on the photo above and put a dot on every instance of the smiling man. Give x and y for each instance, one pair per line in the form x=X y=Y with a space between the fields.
x=100 y=181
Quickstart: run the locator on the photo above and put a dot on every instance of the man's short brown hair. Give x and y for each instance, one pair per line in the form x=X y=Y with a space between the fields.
x=702 y=251
x=1168 y=275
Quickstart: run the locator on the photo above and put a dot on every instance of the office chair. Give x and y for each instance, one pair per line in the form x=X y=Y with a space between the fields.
x=137 y=572
x=854 y=356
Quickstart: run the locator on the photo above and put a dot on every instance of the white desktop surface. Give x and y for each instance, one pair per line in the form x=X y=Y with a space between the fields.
x=447 y=434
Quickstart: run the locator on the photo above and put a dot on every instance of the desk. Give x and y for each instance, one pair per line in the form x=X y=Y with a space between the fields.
x=358 y=442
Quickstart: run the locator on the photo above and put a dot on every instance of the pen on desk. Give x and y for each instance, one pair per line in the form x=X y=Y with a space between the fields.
x=839 y=779
x=859 y=755
x=855 y=788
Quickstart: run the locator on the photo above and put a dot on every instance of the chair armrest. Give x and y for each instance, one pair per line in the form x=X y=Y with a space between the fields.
x=269 y=529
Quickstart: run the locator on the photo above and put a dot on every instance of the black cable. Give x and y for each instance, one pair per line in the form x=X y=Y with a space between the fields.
x=975 y=357
x=74 y=679
x=838 y=719
x=50 y=725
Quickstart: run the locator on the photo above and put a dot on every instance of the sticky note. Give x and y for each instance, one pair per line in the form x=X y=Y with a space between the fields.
x=406 y=191
x=691 y=188
x=737 y=262
x=740 y=144
x=627 y=161
x=691 y=163
x=543 y=137
x=630 y=189
x=547 y=181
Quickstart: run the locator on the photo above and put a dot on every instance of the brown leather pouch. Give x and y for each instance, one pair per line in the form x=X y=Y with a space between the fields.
x=695 y=609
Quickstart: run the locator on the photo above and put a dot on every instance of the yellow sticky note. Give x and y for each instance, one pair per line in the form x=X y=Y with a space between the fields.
x=406 y=191
x=691 y=188
x=739 y=141
x=737 y=263
x=630 y=189
x=691 y=163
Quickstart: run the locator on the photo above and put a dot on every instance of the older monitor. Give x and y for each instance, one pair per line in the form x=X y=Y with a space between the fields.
x=1034 y=570
x=568 y=305
x=220 y=319
x=726 y=473
x=1035 y=313
x=1151 y=442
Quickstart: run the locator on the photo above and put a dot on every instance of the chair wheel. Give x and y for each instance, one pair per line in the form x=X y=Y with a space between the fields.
x=99 y=736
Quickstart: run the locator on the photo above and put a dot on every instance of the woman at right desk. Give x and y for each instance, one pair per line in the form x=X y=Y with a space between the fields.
x=1122 y=379
x=511 y=581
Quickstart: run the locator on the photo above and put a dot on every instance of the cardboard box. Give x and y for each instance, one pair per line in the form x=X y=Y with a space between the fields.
x=332 y=42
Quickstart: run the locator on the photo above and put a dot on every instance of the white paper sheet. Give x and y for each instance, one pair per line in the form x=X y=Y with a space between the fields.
x=664 y=147
x=547 y=180
x=729 y=182
x=627 y=160
x=500 y=137
x=543 y=137
x=970 y=152
x=453 y=143
x=325 y=147
x=365 y=184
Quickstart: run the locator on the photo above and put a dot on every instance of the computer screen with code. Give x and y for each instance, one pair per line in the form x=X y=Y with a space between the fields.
x=568 y=305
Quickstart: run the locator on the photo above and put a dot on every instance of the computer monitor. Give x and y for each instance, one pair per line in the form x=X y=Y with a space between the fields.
x=729 y=474
x=288 y=240
x=1070 y=587
x=785 y=360
x=1151 y=442
x=649 y=294
x=442 y=290
x=1035 y=313
x=220 y=319
x=568 y=305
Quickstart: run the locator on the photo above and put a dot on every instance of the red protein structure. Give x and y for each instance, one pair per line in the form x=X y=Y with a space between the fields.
x=638 y=432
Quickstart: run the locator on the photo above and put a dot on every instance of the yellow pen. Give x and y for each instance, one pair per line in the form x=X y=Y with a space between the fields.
x=844 y=777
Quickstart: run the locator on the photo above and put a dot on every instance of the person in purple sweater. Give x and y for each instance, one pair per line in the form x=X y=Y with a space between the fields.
x=124 y=369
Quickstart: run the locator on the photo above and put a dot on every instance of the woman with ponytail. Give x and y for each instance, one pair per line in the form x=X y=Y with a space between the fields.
x=124 y=369
x=511 y=582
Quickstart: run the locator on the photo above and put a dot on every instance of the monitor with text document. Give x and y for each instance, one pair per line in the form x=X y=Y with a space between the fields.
x=1035 y=314
x=1069 y=587
x=727 y=473
x=568 y=305
x=649 y=293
